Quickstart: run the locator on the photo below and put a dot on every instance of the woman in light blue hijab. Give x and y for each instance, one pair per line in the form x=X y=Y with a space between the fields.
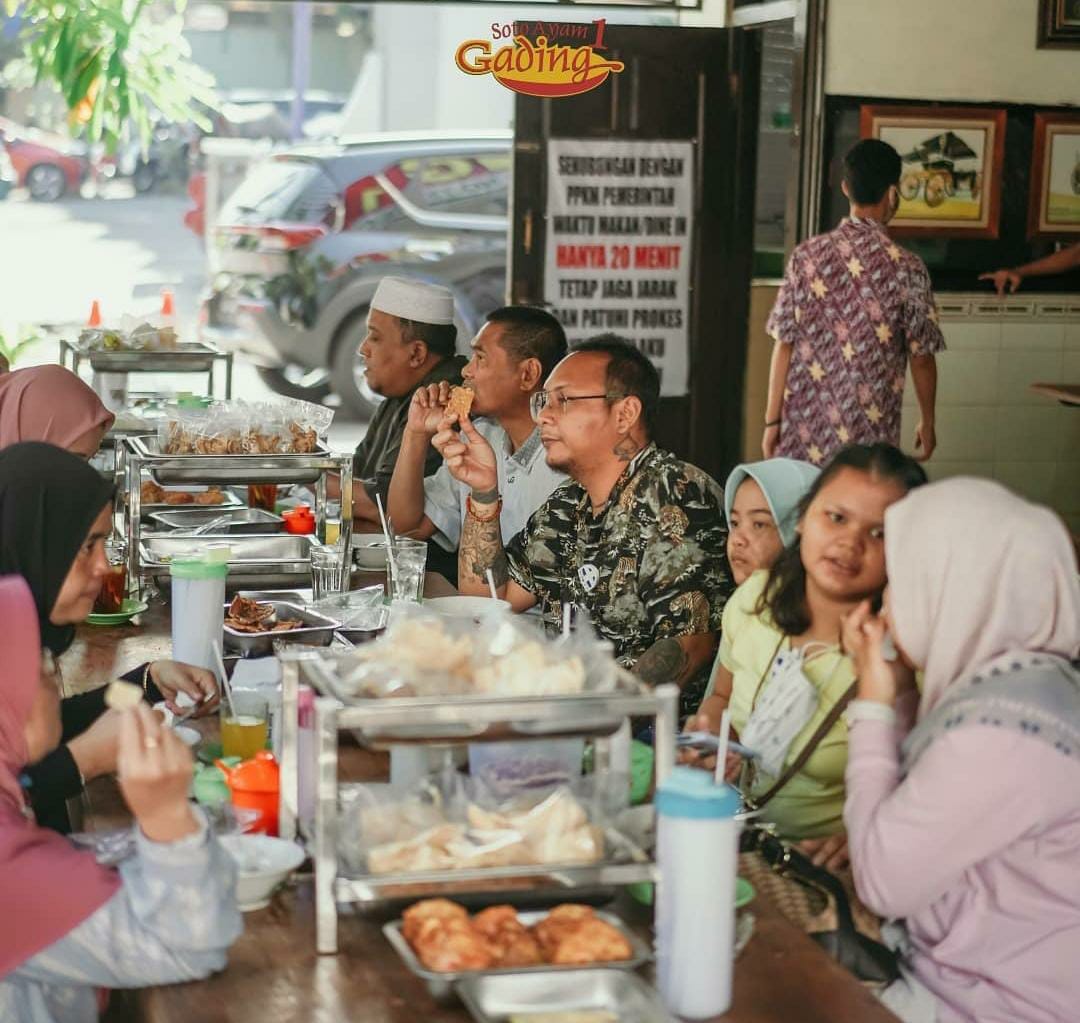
x=761 y=502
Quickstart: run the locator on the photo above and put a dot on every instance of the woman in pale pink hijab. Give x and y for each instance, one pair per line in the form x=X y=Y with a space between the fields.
x=963 y=805
x=70 y=927
x=51 y=404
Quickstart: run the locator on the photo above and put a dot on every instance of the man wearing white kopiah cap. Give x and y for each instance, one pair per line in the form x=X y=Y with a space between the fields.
x=409 y=344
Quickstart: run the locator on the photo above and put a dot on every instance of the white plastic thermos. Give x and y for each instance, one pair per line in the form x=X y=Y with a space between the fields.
x=198 y=609
x=697 y=855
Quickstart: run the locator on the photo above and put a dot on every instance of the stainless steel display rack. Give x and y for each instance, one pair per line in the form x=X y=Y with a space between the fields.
x=139 y=455
x=449 y=722
x=185 y=357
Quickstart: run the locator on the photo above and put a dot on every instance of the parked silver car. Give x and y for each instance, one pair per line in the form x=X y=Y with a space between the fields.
x=304 y=240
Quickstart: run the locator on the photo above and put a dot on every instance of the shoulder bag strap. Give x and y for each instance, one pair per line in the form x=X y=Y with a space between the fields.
x=807 y=751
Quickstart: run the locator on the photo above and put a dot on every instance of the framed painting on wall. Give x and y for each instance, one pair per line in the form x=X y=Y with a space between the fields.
x=950 y=175
x=1059 y=24
x=1054 y=208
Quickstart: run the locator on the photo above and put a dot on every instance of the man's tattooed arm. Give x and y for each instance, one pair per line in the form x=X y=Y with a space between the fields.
x=481 y=549
x=675 y=660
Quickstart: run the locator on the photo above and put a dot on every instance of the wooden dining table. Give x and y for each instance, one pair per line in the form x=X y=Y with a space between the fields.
x=274 y=974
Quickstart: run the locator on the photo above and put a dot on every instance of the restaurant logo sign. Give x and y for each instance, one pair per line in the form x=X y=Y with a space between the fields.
x=536 y=62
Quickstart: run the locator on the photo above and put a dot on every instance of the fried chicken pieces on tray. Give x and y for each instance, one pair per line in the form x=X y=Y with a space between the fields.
x=447 y=940
x=245 y=615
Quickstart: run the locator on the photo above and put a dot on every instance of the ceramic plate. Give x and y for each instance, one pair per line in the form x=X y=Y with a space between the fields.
x=128 y=610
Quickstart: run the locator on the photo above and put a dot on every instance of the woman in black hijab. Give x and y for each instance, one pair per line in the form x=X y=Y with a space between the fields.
x=55 y=514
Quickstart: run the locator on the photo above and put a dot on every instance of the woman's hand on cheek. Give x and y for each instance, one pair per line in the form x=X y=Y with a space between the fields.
x=863 y=634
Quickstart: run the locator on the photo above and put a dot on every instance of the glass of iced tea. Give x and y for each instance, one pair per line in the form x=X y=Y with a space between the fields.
x=262 y=495
x=114 y=586
x=244 y=732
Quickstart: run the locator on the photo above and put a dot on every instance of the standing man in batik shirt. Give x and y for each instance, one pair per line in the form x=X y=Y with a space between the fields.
x=635 y=539
x=853 y=308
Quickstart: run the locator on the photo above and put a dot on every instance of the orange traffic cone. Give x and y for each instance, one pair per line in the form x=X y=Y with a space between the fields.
x=95 y=314
x=167 y=306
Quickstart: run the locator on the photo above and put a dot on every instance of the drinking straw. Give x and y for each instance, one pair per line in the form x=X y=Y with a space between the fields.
x=491 y=585
x=566 y=619
x=226 y=688
x=392 y=560
x=721 y=747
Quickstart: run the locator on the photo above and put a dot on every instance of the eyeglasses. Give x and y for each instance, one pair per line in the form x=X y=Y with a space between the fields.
x=541 y=399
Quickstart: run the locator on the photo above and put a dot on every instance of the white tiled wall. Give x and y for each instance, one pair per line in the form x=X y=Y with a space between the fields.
x=989 y=422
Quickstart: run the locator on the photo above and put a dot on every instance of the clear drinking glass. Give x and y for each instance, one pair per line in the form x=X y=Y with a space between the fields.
x=114 y=585
x=245 y=733
x=405 y=569
x=329 y=572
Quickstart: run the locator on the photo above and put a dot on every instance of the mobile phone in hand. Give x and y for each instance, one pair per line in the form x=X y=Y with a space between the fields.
x=708 y=743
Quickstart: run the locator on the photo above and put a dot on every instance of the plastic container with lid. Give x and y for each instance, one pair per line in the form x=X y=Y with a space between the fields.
x=255 y=784
x=697 y=855
x=300 y=520
x=198 y=599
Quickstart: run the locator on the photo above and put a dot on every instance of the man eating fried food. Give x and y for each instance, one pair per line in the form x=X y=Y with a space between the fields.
x=512 y=354
x=635 y=539
x=410 y=344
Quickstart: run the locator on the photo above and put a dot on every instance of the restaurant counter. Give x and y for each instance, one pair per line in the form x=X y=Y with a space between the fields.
x=275 y=976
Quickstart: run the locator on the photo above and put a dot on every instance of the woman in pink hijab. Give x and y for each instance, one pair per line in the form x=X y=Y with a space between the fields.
x=963 y=804
x=51 y=404
x=71 y=927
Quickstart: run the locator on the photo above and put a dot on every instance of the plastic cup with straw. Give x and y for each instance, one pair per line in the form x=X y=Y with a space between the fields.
x=226 y=687
x=491 y=585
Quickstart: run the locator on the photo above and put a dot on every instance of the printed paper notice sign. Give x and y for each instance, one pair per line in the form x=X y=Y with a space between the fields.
x=618 y=246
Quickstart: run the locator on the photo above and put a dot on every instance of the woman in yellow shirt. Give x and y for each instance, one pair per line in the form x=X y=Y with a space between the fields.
x=780 y=668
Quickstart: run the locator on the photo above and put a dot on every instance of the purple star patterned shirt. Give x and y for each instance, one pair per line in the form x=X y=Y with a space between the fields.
x=853 y=306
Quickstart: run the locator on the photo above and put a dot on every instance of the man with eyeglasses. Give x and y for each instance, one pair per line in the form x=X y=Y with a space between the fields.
x=636 y=538
x=512 y=355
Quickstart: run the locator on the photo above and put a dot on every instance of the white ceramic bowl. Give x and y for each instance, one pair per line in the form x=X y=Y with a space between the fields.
x=262 y=864
x=369 y=551
x=191 y=736
x=465 y=607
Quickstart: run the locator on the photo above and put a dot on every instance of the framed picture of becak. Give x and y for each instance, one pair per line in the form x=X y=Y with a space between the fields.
x=950 y=175
x=1059 y=24
x=1054 y=208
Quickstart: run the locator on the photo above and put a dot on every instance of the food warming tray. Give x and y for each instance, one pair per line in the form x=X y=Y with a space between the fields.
x=440 y=983
x=188 y=356
x=318 y=630
x=241 y=520
x=624 y=996
x=475 y=718
x=255 y=561
x=230 y=501
x=280 y=469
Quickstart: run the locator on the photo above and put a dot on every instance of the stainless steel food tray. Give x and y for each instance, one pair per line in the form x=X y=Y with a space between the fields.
x=499 y=997
x=231 y=501
x=441 y=984
x=290 y=468
x=251 y=553
x=241 y=520
x=188 y=356
x=623 y=863
x=318 y=631
x=479 y=718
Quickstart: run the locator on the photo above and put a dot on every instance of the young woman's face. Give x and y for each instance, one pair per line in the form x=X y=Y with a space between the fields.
x=843 y=530
x=43 y=730
x=753 y=539
x=83 y=582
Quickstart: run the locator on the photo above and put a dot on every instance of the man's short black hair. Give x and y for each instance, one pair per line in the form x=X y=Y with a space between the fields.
x=441 y=338
x=629 y=371
x=870 y=167
x=530 y=332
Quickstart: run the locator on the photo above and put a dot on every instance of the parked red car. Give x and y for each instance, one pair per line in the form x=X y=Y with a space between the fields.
x=47 y=165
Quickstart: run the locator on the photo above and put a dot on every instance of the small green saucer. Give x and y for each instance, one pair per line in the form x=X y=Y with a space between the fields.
x=643 y=892
x=128 y=610
x=208 y=752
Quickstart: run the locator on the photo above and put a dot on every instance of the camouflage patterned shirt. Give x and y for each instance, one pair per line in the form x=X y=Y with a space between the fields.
x=651 y=564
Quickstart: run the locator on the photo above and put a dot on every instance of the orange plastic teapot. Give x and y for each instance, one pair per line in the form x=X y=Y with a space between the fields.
x=299 y=520
x=255 y=784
